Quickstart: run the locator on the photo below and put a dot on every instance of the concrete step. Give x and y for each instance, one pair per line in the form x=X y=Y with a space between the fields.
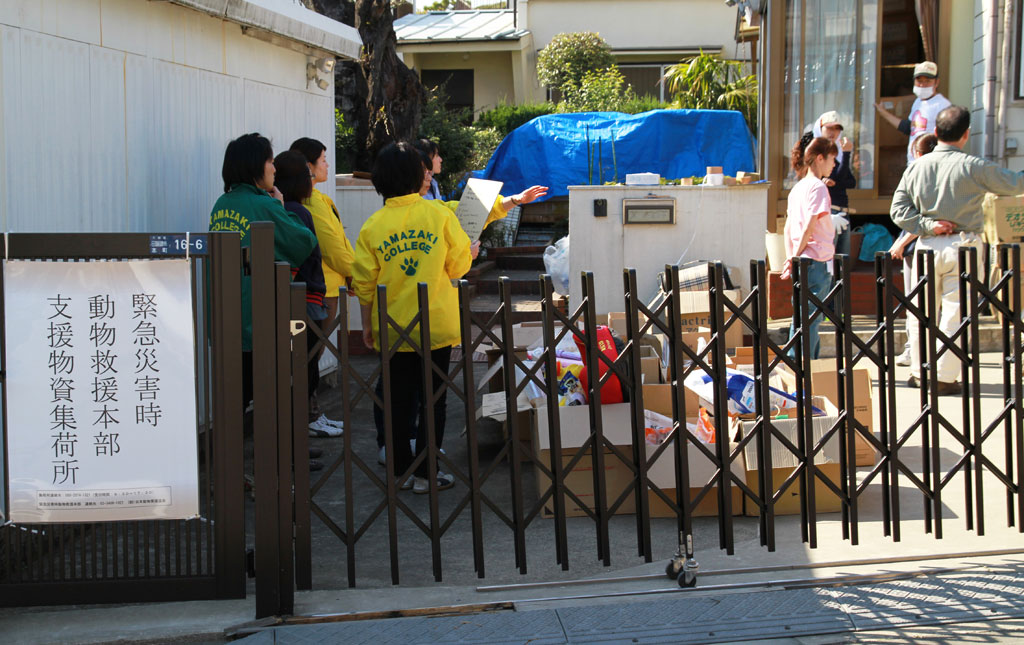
x=525 y=307
x=524 y=281
x=531 y=262
x=990 y=334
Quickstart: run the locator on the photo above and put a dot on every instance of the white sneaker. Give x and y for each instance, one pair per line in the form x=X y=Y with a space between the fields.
x=331 y=422
x=324 y=427
x=382 y=455
x=903 y=359
x=444 y=482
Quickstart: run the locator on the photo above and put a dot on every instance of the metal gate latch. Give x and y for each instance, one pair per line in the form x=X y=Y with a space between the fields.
x=297 y=326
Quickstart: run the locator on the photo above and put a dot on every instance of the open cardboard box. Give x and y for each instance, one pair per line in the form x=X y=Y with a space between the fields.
x=695 y=312
x=825 y=382
x=785 y=462
x=575 y=430
x=658 y=398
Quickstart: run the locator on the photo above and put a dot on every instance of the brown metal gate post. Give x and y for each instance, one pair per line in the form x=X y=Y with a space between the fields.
x=268 y=592
x=226 y=347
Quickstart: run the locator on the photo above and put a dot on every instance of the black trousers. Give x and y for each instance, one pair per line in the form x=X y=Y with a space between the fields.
x=407 y=400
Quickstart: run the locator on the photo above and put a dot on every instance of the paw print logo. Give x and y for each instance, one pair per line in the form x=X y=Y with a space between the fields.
x=409 y=266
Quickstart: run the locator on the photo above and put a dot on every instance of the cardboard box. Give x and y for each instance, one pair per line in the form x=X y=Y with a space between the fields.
x=650 y=365
x=574 y=423
x=493 y=407
x=695 y=314
x=1004 y=219
x=886 y=134
x=580 y=480
x=825 y=382
x=661 y=473
x=825 y=501
x=784 y=462
x=575 y=430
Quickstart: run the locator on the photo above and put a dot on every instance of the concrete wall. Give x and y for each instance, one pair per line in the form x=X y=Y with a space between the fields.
x=355 y=205
x=114 y=114
x=642 y=25
x=493 y=80
x=647 y=24
x=712 y=223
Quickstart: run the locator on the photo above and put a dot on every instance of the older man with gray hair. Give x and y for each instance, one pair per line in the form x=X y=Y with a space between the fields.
x=939 y=198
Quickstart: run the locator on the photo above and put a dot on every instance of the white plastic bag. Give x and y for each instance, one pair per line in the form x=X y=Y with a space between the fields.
x=556 y=263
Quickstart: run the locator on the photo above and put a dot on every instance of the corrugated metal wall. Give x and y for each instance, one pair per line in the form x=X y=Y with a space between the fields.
x=97 y=139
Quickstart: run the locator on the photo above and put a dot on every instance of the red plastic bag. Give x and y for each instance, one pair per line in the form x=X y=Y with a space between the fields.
x=611 y=391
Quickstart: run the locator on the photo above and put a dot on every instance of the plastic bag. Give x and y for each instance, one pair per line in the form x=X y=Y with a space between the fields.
x=740 y=390
x=876 y=238
x=556 y=263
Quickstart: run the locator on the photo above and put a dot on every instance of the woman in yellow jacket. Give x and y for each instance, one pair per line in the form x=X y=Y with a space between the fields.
x=336 y=260
x=410 y=240
x=431 y=156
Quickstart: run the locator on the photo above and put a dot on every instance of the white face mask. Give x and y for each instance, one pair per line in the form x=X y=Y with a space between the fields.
x=924 y=93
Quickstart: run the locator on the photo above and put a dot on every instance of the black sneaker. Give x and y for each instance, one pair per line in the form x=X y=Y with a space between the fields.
x=315 y=465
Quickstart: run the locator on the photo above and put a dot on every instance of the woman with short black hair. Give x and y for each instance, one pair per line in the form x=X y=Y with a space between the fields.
x=250 y=196
x=294 y=181
x=408 y=241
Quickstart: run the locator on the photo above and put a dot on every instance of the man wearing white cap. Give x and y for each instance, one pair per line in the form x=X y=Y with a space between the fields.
x=927 y=106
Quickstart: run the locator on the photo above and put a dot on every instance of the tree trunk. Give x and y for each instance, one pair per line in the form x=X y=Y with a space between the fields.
x=378 y=95
x=394 y=96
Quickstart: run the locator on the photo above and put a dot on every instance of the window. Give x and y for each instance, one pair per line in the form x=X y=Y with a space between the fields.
x=831 y=50
x=645 y=79
x=458 y=86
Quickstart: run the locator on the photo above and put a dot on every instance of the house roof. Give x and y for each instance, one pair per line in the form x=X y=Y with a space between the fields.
x=458 y=26
x=286 y=19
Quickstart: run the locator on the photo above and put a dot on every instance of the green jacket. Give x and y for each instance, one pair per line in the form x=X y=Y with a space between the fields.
x=235 y=210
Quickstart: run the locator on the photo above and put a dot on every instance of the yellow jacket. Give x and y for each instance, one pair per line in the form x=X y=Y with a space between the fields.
x=335 y=249
x=412 y=240
x=497 y=212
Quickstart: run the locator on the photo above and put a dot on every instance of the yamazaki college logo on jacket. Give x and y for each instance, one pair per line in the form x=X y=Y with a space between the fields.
x=405 y=242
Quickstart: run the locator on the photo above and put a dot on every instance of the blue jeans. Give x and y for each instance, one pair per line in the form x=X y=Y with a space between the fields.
x=818 y=283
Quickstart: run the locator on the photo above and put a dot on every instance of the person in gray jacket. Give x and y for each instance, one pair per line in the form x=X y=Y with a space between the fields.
x=939 y=199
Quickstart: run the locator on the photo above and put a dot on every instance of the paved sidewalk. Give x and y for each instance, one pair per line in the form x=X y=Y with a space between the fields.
x=980 y=595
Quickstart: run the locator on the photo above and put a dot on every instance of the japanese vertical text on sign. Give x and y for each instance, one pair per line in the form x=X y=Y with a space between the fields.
x=101 y=407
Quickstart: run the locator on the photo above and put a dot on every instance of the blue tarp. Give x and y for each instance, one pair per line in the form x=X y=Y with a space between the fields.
x=551 y=150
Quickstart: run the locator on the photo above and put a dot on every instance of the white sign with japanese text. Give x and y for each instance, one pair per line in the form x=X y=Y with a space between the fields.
x=101 y=391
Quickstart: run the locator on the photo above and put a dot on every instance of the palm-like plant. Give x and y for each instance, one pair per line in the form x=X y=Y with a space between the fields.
x=706 y=82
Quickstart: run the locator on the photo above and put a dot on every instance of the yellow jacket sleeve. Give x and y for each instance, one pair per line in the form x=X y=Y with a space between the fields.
x=365 y=269
x=497 y=212
x=459 y=259
x=335 y=248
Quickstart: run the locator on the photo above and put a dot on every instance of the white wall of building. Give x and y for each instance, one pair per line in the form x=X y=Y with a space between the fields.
x=114 y=114
x=647 y=24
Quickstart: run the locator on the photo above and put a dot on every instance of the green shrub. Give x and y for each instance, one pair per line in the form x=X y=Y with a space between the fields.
x=448 y=129
x=506 y=117
x=645 y=103
x=485 y=142
x=710 y=83
x=568 y=57
x=601 y=91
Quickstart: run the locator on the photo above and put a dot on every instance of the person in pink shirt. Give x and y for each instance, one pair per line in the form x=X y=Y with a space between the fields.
x=809 y=232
